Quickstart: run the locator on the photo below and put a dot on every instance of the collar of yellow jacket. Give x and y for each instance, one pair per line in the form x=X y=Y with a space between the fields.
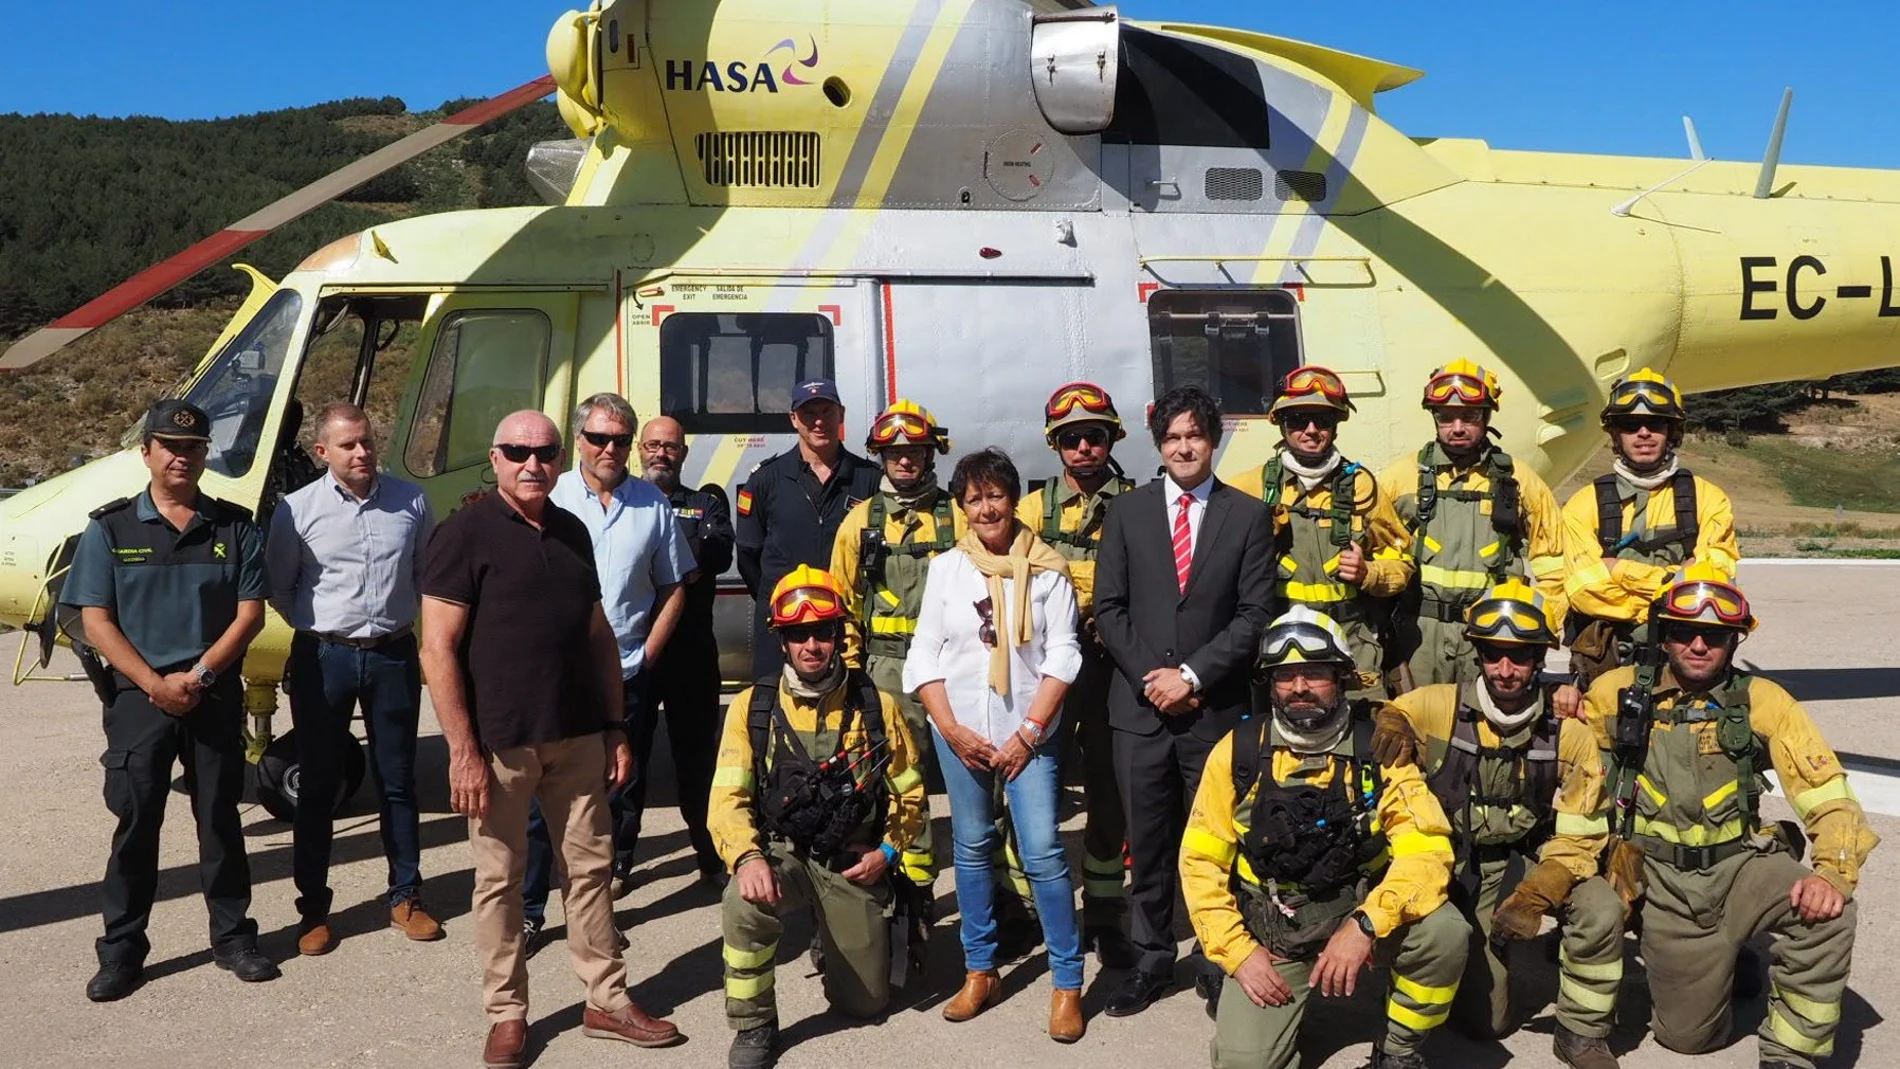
x=1027 y=555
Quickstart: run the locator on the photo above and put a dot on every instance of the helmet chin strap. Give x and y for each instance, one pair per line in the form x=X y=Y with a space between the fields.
x=1317 y=735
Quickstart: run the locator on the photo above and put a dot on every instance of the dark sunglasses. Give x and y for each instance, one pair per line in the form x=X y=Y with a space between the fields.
x=1712 y=637
x=1513 y=654
x=1089 y=436
x=1295 y=421
x=1631 y=424
x=602 y=440
x=986 y=629
x=799 y=634
x=519 y=454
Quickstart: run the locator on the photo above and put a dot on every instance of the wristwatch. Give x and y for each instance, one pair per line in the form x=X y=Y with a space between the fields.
x=1365 y=923
x=203 y=675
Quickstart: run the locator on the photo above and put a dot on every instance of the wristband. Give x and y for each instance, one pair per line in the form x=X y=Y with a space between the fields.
x=890 y=853
x=749 y=855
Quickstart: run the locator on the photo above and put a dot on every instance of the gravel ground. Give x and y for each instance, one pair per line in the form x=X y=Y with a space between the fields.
x=381 y=1001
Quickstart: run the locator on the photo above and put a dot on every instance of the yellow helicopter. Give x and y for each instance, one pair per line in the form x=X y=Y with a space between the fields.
x=970 y=202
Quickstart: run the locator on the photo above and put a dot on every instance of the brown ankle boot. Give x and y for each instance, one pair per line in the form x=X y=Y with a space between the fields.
x=980 y=990
x=1065 y=1015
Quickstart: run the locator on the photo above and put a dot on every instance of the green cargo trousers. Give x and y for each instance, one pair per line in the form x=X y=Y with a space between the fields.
x=1426 y=958
x=1590 y=963
x=853 y=925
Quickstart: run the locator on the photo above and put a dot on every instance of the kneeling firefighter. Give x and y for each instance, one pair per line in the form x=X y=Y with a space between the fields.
x=1515 y=780
x=1304 y=862
x=816 y=795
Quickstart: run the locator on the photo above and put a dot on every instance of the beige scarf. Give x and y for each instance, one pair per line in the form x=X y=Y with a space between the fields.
x=1027 y=555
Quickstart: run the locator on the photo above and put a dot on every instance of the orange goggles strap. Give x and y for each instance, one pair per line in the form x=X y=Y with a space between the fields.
x=1084 y=394
x=806 y=605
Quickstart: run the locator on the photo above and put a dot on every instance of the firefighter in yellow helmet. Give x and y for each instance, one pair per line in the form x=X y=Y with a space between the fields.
x=1515 y=780
x=1304 y=861
x=1080 y=423
x=1476 y=518
x=1688 y=740
x=1629 y=530
x=816 y=795
x=1342 y=549
x=881 y=554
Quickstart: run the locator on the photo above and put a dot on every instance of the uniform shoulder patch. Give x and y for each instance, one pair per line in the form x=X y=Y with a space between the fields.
x=745 y=502
x=110 y=506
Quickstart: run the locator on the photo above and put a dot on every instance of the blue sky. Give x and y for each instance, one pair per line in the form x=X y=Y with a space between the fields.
x=1611 y=76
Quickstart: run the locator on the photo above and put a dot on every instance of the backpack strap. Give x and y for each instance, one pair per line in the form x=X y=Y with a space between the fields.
x=1051 y=512
x=1249 y=742
x=1736 y=735
x=1506 y=514
x=1427 y=506
x=1272 y=474
x=1345 y=495
x=1687 y=525
x=861 y=695
x=758 y=724
x=1609 y=514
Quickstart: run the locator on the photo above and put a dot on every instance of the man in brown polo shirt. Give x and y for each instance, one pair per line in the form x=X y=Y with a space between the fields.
x=524 y=673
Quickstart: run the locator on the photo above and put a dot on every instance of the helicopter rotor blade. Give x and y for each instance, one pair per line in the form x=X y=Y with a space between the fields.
x=173 y=270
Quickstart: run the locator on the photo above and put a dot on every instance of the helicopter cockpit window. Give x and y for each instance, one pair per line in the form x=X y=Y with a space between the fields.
x=734 y=373
x=1237 y=344
x=486 y=364
x=236 y=391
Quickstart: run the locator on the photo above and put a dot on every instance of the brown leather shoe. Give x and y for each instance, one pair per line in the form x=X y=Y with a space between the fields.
x=980 y=991
x=411 y=919
x=315 y=938
x=1065 y=1015
x=630 y=1024
x=506 y=1042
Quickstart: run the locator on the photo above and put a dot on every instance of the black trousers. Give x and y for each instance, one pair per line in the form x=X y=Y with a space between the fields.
x=686 y=690
x=1158 y=775
x=141 y=745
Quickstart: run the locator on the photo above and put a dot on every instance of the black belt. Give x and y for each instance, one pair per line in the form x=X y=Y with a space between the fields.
x=371 y=643
x=1445 y=612
x=1693 y=858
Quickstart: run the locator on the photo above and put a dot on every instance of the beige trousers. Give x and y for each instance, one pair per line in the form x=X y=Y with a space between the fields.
x=569 y=777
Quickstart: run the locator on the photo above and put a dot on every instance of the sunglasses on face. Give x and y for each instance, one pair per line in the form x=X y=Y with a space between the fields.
x=986 y=629
x=519 y=454
x=1686 y=634
x=1299 y=421
x=1632 y=424
x=601 y=440
x=1093 y=437
x=1513 y=654
x=800 y=634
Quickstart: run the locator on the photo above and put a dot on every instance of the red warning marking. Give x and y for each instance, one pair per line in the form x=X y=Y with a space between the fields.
x=1143 y=289
x=156 y=279
x=1299 y=290
x=1034 y=181
x=890 y=348
x=836 y=312
x=660 y=311
x=1037 y=149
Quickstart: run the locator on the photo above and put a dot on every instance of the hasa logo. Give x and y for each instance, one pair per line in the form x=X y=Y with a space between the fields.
x=739 y=76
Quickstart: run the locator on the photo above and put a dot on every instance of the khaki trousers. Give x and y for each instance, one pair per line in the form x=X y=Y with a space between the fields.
x=569 y=777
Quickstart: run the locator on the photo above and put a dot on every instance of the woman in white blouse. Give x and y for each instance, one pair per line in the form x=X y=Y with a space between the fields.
x=995 y=651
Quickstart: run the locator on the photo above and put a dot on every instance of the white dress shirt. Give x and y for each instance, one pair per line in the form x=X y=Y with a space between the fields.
x=1196 y=510
x=947 y=647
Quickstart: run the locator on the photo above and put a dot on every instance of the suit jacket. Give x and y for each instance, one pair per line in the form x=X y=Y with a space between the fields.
x=1146 y=622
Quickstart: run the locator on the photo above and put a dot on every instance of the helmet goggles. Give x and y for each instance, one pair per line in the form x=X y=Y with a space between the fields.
x=1633 y=397
x=1500 y=620
x=806 y=605
x=1299 y=642
x=1706 y=601
x=1312 y=379
x=1085 y=395
x=1461 y=390
x=907 y=428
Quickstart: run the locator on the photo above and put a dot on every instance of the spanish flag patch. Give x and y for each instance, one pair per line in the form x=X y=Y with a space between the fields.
x=745 y=502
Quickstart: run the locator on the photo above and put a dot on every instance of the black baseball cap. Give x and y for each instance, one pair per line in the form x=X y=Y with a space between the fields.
x=815 y=390
x=179 y=421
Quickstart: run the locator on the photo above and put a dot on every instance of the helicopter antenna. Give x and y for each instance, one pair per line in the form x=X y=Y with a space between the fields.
x=1695 y=142
x=1622 y=210
x=1765 y=185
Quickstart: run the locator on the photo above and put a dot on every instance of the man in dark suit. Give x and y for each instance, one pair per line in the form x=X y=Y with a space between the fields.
x=1183 y=588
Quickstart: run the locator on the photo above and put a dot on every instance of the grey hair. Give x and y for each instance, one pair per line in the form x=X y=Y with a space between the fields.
x=612 y=405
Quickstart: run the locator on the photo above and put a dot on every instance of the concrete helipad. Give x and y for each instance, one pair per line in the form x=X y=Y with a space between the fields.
x=1828 y=632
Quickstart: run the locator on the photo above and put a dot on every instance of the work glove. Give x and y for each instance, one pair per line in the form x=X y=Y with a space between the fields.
x=1393 y=743
x=1542 y=890
x=1626 y=871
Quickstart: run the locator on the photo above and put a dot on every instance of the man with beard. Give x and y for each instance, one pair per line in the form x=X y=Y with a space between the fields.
x=1514 y=779
x=1340 y=547
x=1476 y=519
x=1628 y=531
x=1305 y=862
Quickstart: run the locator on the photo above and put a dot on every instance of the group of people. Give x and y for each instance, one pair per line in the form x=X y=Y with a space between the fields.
x=1312 y=704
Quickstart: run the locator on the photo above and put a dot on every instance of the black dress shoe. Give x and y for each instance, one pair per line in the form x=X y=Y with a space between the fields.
x=247 y=965
x=1137 y=993
x=114 y=980
x=1112 y=949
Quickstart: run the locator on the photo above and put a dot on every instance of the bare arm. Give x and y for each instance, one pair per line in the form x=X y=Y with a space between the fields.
x=669 y=605
x=443 y=624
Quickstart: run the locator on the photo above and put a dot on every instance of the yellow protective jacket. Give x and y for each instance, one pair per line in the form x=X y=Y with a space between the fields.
x=1412 y=822
x=1581 y=806
x=1543 y=544
x=1622 y=594
x=730 y=816
x=1375 y=524
x=1079 y=515
x=1811 y=775
x=900 y=591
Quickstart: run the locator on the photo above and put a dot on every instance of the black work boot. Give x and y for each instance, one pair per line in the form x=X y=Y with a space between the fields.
x=1111 y=948
x=1382 y=1060
x=754 y=1048
x=247 y=964
x=114 y=980
x=1581 y=1052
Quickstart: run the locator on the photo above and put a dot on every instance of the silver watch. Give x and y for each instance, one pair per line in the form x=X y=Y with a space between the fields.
x=203 y=674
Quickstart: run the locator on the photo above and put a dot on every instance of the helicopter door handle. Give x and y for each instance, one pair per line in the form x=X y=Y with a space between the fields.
x=1169 y=185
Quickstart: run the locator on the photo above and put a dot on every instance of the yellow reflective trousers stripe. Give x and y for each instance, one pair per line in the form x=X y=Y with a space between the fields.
x=1807 y=801
x=1426 y=996
x=1411 y=1018
x=1207 y=844
x=1579 y=995
x=1603 y=970
x=1789 y=1036
x=1810 y=1010
x=745 y=988
x=750 y=959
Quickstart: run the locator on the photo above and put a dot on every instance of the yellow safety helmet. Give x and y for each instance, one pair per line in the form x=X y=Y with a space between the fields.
x=1303 y=635
x=1510 y=614
x=1703 y=594
x=807 y=595
x=1644 y=393
x=1080 y=402
x=906 y=423
x=1312 y=386
x=1462 y=384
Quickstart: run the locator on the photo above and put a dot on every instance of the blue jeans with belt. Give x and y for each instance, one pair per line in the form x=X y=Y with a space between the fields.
x=1031 y=799
x=326 y=682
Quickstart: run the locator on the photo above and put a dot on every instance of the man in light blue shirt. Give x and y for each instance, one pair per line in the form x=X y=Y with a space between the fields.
x=342 y=560
x=643 y=564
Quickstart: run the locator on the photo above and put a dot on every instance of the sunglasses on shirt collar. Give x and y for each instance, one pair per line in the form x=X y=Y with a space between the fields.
x=519 y=454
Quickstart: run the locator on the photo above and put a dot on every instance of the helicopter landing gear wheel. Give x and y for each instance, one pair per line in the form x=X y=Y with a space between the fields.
x=279 y=779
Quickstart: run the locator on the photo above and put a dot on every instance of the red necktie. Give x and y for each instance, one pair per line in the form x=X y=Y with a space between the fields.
x=1183 y=543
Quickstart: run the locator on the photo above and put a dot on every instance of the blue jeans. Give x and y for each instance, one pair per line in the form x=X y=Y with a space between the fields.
x=1031 y=798
x=326 y=682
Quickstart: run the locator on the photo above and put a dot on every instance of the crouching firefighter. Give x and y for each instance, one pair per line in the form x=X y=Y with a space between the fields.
x=815 y=797
x=1515 y=780
x=1689 y=738
x=1304 y=862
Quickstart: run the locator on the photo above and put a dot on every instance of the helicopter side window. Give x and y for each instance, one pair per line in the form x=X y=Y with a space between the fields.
x=486 y=364
x=1237 y=345
x=236 y=391
x=734 y=373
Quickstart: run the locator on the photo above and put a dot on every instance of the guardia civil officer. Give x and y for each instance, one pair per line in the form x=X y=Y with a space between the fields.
x=1688 y=741
x=170 y=589
x=816 y=795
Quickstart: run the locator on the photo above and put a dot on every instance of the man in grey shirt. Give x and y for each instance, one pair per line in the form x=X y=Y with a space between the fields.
x=342 y=560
